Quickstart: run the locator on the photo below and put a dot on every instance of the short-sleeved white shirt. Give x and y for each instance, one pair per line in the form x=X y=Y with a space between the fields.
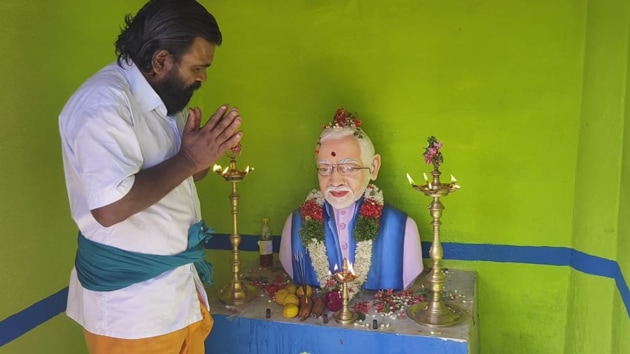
x=111 y=128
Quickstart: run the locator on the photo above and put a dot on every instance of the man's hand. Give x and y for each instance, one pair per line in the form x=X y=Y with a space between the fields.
x=201 y=147
x=204 y=145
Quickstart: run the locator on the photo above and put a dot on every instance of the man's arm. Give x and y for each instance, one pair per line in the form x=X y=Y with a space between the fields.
x=201 y=175
x=149 y=187
x=201 y=147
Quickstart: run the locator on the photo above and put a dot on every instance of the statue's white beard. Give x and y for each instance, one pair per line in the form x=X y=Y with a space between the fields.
x=340 y=202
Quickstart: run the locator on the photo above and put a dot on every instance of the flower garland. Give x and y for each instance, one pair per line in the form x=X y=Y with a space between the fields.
x=365 y=230
x=391 y=303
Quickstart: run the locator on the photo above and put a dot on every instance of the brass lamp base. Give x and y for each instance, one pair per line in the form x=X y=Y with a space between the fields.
x=238 y=294
x=345 y=317
x=435 y=314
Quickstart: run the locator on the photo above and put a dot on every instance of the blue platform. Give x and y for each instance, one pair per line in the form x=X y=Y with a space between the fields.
x=244 y=329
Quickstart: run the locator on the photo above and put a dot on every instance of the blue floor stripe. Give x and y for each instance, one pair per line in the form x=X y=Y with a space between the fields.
x=16 y=325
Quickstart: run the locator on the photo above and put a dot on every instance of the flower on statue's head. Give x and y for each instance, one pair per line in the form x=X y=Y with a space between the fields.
x=432 y=154
x=345 y=119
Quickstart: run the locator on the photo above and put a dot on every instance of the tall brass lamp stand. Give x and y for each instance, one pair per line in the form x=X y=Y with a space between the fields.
x=235 y=293
x=435 y=312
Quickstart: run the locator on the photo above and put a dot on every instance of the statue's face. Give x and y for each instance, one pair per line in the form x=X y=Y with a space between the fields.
x=339 y=190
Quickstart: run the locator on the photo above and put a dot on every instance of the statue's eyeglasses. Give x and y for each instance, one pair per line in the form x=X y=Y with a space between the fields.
x=342 y=169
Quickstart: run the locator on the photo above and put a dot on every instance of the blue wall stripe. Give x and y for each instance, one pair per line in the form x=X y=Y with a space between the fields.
x=622 y=285
x=38 y=313
x=16 y=325
x=248 y=243
x=594 y=265
x=558 y=256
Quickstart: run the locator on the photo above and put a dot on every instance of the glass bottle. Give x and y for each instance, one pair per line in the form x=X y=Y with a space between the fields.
x=265 y=245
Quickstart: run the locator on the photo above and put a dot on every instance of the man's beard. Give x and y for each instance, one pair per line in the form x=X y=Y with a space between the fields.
x=340 y=202
x=174 y=93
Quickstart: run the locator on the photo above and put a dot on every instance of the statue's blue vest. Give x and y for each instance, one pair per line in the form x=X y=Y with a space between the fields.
x=386 y=270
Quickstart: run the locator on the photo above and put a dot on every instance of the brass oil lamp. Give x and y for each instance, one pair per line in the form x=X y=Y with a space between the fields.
x=237 y=292
x=435 y=312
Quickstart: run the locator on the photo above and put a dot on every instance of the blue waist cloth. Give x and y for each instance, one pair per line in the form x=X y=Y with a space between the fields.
x=106 y=268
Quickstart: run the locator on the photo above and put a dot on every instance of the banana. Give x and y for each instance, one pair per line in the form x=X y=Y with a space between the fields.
x=306 y=304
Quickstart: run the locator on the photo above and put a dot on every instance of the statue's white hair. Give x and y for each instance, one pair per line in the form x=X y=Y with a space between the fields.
x=365 y=144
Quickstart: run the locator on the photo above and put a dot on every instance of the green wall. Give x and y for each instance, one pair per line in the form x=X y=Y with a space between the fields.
x=530 y=98
x=600 y=207
x=621 y=326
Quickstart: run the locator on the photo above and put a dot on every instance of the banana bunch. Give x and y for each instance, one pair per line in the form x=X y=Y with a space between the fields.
x=309 y=305
x=306 y=307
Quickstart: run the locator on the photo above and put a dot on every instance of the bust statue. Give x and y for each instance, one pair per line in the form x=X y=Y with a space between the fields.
x=346 y=218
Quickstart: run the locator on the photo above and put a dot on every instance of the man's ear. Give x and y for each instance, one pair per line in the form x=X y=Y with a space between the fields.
x=161 y=62
x=376 y=165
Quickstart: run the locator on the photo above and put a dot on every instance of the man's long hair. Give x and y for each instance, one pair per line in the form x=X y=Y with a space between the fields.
x=172 y=25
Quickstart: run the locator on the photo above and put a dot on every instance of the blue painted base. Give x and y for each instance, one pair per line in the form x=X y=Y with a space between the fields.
x=239 y=335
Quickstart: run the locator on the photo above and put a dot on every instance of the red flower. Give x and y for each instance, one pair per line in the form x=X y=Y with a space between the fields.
x=362 y=306
x=312 y=210
x=344 y=119
x=333 y=300
x=371 y=209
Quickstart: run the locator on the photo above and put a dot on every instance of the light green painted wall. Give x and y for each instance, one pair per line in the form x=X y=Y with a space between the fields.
x=500 y=82
x=501 y=91
x=478 y=75
x=599 y=204
x=48 y=48
x=59 y=335
x=621 y=324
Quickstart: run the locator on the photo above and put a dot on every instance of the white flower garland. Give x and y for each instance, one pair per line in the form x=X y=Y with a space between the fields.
x=362 y=256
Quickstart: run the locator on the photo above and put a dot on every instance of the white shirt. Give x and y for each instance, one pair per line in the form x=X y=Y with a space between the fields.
x=111 y=128
x=412 y=249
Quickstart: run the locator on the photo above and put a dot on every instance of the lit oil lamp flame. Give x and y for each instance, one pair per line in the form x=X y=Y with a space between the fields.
x=336 y=268
x=350 y=268
x=425 y=177
x=216 y=168
x=410 y=180
x=453 y=179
